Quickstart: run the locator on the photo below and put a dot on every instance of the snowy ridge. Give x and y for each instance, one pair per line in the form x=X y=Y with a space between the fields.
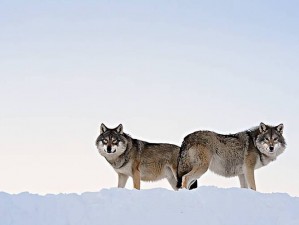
x=206 y=205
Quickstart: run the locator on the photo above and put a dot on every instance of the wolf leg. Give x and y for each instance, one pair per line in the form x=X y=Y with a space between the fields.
x=243 y=182
x=136 y=177
x=195 y=173
x=249 y=176
x=171 y=176
x=200 y=158
x=172 y=181
x=250 y=162
x=122 y=180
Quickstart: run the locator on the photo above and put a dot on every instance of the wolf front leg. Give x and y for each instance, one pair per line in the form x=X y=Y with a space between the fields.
x=250 y=162
x=136 y=176
x=243 y=182
x=122 y=180
x=250 y=179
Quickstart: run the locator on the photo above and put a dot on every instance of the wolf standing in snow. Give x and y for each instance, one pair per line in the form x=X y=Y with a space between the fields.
x=138 y=159
x=229 y=155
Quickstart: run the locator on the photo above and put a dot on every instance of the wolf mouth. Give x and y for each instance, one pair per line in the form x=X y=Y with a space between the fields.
x=111 y=152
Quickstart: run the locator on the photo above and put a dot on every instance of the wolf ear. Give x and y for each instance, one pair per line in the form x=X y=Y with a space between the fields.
x=103 y=128
x=119 y=129
x=262 y=127
x=279 y=128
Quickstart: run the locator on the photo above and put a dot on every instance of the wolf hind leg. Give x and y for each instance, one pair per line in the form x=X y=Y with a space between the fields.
x=243 y=182
x=172 y=177
x=200 y=158
x=172 y=181
x=189 y=180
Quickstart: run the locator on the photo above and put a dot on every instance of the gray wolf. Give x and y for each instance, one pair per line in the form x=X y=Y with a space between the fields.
x=229 y=155
x=138 y=159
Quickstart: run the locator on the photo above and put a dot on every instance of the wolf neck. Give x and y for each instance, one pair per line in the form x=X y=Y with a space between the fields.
x=119 y=161
x=122 y=159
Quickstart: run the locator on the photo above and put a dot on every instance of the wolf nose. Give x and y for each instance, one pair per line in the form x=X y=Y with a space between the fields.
x=109 y=149
x=271 y=148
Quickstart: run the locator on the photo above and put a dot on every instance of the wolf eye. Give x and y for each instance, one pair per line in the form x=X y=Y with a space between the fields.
x=115 y=142
x=267 y=139
x=104 y=141
x=275 y=139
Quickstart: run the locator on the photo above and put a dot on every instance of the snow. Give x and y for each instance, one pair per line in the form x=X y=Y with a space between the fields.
x=205 y=205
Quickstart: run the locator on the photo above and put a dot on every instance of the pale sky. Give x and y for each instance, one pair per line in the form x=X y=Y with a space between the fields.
x=161 y=68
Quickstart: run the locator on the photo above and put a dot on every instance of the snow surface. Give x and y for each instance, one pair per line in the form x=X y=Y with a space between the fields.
x=205 y=205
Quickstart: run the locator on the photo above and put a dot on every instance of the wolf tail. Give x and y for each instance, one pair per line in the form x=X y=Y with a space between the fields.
x=180 y=169
x=179 y=166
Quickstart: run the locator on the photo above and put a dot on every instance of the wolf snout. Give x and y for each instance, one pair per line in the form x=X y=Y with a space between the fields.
x=109 y=149
x=271 y=148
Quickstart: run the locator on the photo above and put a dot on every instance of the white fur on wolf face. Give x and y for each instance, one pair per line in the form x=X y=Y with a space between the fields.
x=116 y=150
x=265 y=148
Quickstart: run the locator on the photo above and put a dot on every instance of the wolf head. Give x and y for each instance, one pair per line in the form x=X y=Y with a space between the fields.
x=111 y=142
x=270 y=140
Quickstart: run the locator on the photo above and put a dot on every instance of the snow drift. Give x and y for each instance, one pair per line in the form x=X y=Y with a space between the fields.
x=205 y=205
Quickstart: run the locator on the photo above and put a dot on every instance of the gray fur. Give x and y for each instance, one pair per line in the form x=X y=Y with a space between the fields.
x=229 y=155
x=138 y=159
